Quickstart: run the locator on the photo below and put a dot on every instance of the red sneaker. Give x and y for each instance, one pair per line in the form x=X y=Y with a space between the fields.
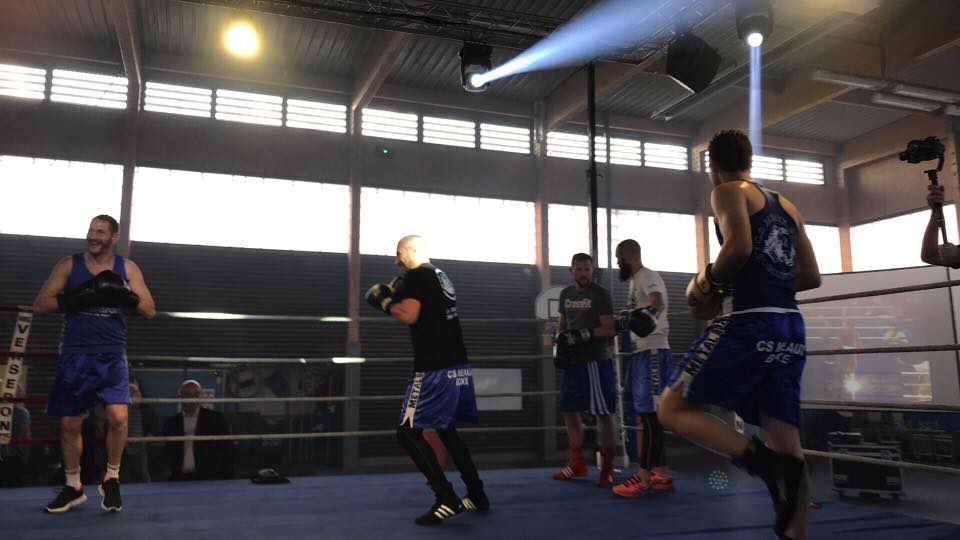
x=661 y=483
x=634 y=488
x=573 y=468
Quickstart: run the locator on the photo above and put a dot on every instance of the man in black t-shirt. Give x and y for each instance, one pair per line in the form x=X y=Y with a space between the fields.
x=584 y=352
x=440 y=391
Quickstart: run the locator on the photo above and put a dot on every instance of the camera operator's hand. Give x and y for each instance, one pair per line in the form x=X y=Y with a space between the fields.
x=934 y=195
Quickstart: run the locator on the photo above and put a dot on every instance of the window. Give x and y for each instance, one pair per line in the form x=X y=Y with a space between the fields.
x=666 y=156
x=626 y=152
x=449 y=132
x=264 y=213
x=767 y=168
x=175 y=99
x=804 y=172
x=826 y=245
x=668 y=240
x=574 y=146
x=763 y=167
x=460 y=228
x=504 y=138
x=47 y=197
x=89 y=89
x=249 y=108
x=825 y=241
x=22 y=82
x=316 y=115
x=894 y=242
x=389 y=125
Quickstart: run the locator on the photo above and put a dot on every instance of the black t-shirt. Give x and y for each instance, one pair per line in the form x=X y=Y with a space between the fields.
x=437 y=337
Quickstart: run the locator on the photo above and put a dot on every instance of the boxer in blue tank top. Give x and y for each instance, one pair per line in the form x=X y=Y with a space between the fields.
x=93 y=289
x=751 y=356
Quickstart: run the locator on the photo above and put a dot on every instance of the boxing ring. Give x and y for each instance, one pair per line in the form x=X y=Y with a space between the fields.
x=712 y=498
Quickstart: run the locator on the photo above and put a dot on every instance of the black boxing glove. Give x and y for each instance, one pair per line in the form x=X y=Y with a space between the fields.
x=380 y=296
x=112 y=291
x=622 y=321
x=575 y=337
x=83 y=297
x=643 y=321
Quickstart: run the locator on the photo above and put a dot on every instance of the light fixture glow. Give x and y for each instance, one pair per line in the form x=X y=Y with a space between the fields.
x=851 y=384
x=755 y=39
x=241 y=39
x=349 y=359
x=477 y=80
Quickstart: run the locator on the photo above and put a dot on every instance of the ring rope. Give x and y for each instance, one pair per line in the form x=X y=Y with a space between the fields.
x=881 y=292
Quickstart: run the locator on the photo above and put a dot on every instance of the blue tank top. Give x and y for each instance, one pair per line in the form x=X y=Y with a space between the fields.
x=766 y=280
x=98 y=329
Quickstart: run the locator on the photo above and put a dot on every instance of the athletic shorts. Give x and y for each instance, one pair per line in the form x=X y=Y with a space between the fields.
x=589 y=387
x=750 y=363
x=645 y=375
x=85 y=379
x=437 y=399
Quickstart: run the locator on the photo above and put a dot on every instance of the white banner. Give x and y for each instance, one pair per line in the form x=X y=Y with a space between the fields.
x=21 y=331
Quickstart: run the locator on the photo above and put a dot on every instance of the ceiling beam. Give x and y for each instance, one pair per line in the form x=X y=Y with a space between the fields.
x=862 y=98
x=923 y=34
x=890 y=139
x=123 y=13
x=378 y=60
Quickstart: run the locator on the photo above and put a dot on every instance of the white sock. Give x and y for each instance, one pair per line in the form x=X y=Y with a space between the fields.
x=73 y=478
x=113 y=471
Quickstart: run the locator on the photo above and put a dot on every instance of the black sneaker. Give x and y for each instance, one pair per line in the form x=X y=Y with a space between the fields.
x=110 y=491
x=440 y=511
x=784 y=475
x=65 y=500
x=476 y=501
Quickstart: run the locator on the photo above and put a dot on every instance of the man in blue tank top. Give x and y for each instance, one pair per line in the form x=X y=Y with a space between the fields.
x=751 y=356
x=93 y=289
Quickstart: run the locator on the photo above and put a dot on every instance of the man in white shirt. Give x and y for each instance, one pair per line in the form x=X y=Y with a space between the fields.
x=646 y=373
x=192 y=460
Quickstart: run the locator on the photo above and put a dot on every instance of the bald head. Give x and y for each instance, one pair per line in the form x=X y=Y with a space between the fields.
x=190 y=389
x=412 y=252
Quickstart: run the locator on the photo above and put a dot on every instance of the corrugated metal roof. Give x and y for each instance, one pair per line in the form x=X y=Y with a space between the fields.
x=183 y=28
x=835 y=122
x=560 y=9
x=644 y=94
x=719 y=101
x=939 y=71
x=79 y=19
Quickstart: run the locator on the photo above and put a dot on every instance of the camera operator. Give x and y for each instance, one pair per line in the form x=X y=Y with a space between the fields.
x=933 y=252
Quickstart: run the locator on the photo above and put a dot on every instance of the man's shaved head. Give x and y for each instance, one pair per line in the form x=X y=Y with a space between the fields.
x=412 y=252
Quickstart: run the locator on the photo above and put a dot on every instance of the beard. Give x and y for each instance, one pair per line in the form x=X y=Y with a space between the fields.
x=625 y=272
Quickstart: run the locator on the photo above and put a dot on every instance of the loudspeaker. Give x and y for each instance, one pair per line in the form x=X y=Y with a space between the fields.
x=691 y=62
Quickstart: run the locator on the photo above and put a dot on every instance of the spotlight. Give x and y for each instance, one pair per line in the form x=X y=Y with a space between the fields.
x=691 y=62
x=241 y=39
x=754 y=20
x=474 y=63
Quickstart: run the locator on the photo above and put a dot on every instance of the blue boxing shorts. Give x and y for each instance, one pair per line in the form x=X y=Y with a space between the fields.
x=645 y=375
x=86 y=378
x=750 y=363
x=438 y=398
x=589 y=387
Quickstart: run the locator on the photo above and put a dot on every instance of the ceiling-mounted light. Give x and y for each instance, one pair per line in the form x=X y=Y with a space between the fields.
x=855 y=81
x=920 y=92
x=905 y=102
x=754 y=20
x=474 y=64
x=241 y=39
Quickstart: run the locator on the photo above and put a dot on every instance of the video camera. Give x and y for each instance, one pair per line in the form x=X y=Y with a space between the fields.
x=923 y=150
